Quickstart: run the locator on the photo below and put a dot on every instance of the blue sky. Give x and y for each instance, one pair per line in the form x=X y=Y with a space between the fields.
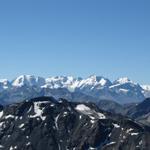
x=75 y=37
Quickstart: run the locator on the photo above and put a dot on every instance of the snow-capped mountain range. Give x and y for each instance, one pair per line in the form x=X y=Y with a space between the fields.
x=122 y=90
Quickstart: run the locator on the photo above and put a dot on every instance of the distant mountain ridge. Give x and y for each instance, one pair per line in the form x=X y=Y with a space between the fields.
x=94 y=87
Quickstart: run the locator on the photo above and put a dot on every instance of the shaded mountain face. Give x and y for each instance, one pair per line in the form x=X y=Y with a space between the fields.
x=111 y=106
x=141 y=112
x=94 y=87
x=44 y=123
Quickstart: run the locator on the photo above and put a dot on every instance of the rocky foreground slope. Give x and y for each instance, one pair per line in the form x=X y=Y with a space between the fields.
x=46 y=124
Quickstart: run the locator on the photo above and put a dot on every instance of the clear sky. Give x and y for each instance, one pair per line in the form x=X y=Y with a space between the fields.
x=75 y=37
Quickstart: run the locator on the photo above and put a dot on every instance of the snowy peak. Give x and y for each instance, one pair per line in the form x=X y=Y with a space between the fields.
x=94 y=81
x=146 y=90
x=95 y=78
x=123 y=80
x=122 y=90
x=99 y=80
x=28 y=80
x=146 y=87
x=23 y=80
x=125 y=83
x=4 y=84
x=4 y=81
x=61 y=82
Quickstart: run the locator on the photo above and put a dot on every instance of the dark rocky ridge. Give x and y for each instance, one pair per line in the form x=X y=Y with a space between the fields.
x=141 y=112
x=46 y=124
x=111 y=106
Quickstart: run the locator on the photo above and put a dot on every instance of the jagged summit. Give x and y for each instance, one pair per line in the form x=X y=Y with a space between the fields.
x=123 y=80
x=23 y=87
x=28 y=80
